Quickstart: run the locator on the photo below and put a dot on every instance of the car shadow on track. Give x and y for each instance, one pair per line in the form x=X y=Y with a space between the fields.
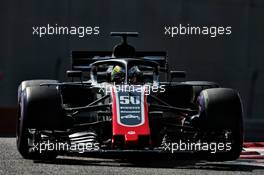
x=238 y=165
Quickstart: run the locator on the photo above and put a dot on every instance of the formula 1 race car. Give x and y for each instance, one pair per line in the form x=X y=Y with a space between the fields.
x=116 y=103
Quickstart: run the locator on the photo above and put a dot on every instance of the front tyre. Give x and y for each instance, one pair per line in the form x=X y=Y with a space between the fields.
x=24 y=138
x=221 y=110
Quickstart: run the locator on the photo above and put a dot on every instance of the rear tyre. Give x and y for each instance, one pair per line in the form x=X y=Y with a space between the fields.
x=221 y=110
x=179 y=95
x=198 y=86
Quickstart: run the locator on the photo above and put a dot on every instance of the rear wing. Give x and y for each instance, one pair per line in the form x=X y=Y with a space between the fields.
x=82 y=60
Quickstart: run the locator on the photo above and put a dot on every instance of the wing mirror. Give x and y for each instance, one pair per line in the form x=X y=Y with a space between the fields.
x=177 y=74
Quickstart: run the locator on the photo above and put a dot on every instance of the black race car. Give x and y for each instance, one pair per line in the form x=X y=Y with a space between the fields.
x=116 y=103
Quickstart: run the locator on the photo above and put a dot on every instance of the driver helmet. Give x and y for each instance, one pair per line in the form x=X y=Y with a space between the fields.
x=118 y=74
x=134 y=74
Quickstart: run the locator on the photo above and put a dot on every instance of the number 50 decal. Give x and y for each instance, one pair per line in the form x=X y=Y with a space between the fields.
x=125 y=100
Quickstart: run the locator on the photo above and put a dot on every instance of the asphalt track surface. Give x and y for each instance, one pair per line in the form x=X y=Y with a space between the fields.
x=12 y=163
